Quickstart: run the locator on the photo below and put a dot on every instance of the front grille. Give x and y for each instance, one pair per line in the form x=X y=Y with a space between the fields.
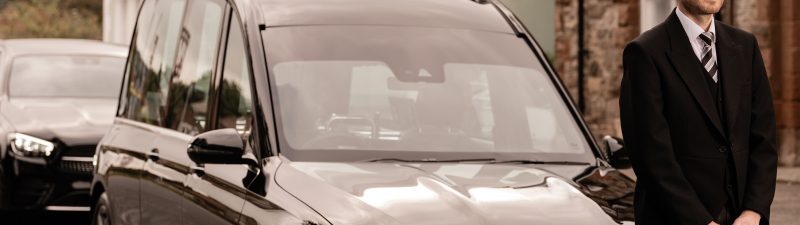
x=79 y=151
x=76 y=167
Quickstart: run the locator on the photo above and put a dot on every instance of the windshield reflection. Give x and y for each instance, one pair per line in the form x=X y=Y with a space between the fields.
x=82 y=76
x=407 y=90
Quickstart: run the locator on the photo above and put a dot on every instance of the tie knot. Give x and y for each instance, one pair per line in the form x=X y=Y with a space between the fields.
x=707 y=37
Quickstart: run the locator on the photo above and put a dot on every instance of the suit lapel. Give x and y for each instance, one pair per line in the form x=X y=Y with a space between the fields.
x=729 y=61
x=688 y=67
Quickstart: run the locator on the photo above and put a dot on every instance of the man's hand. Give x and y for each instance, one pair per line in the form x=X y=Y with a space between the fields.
x=748 y=217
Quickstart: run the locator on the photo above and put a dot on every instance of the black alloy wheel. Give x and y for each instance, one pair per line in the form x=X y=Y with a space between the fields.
x=102 y=211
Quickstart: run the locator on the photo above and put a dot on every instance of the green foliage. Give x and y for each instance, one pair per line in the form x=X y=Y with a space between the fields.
x=51 y=19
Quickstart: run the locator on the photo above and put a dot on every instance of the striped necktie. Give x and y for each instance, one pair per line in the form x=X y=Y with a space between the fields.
x=708 y=61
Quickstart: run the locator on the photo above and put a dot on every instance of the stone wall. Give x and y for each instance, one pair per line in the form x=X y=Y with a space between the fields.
x=610 y=24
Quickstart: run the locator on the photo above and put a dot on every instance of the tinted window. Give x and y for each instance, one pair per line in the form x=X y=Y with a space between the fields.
x=196 y=54
x=235 y=97
x=152 y=58
x=364 y=92
x=66 y=76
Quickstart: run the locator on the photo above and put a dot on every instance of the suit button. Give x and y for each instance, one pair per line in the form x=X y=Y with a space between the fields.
x=723 y=149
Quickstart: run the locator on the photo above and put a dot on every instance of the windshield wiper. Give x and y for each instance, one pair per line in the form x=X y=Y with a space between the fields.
x=539 y=162
x=478 y=160
x=428 y=160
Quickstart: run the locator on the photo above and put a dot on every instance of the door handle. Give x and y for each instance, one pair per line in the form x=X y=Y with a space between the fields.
x=198 y=170
x=153 y=154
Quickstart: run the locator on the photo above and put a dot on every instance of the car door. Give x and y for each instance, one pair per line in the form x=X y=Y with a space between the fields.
x=215 y=192
x=162 y=181
x=186 y=111
x=122 y=151
x=128 y=146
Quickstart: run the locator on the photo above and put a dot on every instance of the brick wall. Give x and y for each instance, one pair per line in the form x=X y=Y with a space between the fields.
x=610 y=24
x=776 y=24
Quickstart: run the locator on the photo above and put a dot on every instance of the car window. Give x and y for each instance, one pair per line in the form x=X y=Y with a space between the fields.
x=151 y=63
x=194 y=66
x=81 y=76
x=365 y=92
x=480 y=107
x=234 y=109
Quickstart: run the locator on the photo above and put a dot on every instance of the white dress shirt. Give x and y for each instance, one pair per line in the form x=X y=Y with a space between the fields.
x=693 y=31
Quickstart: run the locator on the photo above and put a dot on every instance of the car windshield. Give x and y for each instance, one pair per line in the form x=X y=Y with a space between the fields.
x=372 y=92
x=86 y=76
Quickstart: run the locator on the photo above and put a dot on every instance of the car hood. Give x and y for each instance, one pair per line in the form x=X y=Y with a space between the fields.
x=437 y=194
x=73 y=121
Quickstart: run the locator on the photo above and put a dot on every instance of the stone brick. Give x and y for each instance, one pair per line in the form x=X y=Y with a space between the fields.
x=775 y=25
x=609 y=26
x=612 y=24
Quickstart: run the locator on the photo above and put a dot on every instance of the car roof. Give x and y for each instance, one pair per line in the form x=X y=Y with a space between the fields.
x=61 y=46
x=452 y=14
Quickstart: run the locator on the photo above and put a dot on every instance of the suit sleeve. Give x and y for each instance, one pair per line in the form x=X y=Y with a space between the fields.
x=763 y=162
x=647 y=136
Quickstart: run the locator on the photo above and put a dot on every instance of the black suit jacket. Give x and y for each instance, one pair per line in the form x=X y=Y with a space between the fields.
x=679 y=143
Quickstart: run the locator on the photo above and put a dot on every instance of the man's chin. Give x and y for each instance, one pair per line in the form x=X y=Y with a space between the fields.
x=710 y=11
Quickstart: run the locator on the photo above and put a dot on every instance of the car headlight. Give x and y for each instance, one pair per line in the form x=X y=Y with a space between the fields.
x=27 y=145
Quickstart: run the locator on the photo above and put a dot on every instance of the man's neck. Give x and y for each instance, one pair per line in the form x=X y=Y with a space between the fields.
x=702 y=20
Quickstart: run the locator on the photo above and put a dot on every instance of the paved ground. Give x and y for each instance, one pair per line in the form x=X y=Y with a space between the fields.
x=786 y=206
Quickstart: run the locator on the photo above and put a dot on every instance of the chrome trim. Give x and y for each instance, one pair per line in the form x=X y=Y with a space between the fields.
x=68 y=208
x=76 y=159
x=27 y=159
x=80 y=185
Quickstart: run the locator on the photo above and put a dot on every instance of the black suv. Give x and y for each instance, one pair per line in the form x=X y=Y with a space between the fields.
x=348 y=112
x=57 y=100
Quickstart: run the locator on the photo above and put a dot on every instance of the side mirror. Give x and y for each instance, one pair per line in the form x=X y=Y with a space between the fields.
x=615 y=152
x=223 y=146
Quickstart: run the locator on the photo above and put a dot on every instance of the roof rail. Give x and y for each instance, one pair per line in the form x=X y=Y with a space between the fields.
x=512 y=20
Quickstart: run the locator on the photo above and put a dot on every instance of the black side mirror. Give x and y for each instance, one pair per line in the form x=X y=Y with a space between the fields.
x=617 y=156
x=223 y=146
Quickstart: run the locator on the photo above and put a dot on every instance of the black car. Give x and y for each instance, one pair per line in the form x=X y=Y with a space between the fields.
x=57 y=99
x=348 y=112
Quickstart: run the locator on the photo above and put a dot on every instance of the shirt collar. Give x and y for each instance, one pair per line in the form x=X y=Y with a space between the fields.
x=693 y=30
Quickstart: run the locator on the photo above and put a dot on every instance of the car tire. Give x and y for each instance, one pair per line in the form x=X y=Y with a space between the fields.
x=6 y=182
x=101 y=215
x=3 y=188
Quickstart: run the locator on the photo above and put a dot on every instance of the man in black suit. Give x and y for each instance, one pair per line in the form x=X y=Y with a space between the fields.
x=698 y=120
